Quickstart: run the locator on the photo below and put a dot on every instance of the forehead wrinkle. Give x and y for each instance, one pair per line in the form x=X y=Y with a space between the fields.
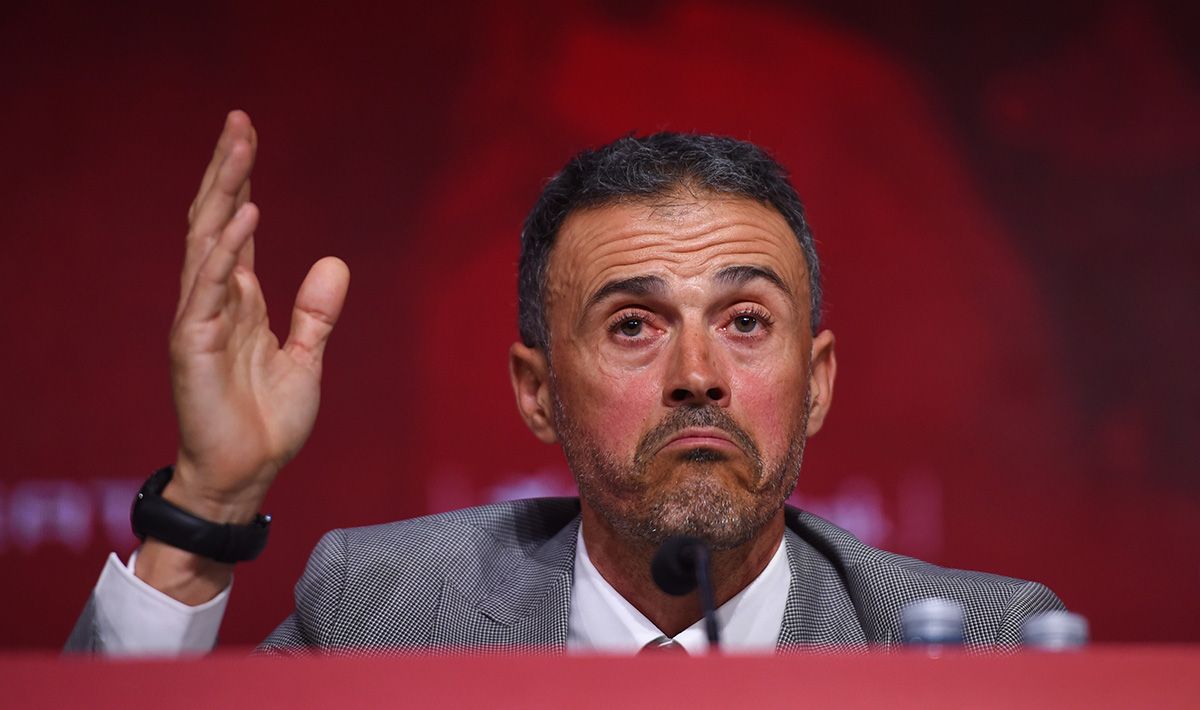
x=672 y=262
x=655 y=224
x=675 y=259
x=629 y=239
x=664 y=246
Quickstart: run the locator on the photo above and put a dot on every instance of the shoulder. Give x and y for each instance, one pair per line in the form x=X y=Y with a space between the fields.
x=517 y=526
x=446 y=542
x=880 y=583
x=382 y=584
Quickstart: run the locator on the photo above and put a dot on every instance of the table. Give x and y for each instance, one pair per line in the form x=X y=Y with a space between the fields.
x=1117 y=676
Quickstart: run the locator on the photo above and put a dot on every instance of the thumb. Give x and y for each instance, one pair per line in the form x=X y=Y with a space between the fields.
x=318 y=305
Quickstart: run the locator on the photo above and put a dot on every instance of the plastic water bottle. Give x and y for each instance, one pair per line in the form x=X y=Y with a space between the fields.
x=1055 y=631
x=933 y=623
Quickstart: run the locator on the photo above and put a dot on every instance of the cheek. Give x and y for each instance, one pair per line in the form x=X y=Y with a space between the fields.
x=770 y=404
x=616 y=405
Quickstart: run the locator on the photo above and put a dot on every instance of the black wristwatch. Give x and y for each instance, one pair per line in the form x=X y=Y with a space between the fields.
x=155 y=517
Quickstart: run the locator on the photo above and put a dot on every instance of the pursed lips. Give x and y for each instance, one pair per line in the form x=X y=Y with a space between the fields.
x=701 y=437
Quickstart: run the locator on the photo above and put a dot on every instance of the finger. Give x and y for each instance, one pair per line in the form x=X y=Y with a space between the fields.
x=217 y=205
x=210 y=292
x=215 y=211
x=244 y=194
x=246 y=257
x=318 y=306
x=237 y=128
x=237 y=125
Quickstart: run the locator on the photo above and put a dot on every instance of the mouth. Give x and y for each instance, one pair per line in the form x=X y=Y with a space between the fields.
x=701 y=438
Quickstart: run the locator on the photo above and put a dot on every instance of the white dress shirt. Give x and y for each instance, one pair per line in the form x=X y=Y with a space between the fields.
x=602 y=621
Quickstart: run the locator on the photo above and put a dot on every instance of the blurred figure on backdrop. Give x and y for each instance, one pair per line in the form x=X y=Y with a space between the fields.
x=670 y=342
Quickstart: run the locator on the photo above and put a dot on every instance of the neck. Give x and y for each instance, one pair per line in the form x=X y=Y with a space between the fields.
x=625 y=564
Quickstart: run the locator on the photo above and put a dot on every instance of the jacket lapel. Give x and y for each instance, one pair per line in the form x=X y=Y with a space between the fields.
x=528 y=609
x=819 y=613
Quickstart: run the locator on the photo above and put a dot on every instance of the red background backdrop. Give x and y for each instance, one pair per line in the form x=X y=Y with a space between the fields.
x=1006 y=201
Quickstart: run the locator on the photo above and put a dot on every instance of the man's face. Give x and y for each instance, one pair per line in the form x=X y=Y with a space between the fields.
x=680 y=363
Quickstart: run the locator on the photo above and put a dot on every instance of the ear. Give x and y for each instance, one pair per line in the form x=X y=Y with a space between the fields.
x=530 y=374
x=823 y=369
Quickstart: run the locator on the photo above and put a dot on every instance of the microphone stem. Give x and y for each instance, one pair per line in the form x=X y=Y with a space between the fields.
x=707 y=599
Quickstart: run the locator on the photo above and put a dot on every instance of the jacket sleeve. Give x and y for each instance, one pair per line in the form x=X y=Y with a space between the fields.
x=1030 y=598
x=318 y=597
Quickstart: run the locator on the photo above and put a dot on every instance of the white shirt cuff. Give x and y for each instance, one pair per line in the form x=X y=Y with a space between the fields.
x=135 y=619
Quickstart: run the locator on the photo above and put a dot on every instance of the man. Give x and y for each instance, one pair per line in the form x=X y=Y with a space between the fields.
x=670 y=343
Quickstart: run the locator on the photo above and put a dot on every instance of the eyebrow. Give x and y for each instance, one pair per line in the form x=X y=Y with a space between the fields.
x=633 y=286
x=641 y=286
x=740 y=275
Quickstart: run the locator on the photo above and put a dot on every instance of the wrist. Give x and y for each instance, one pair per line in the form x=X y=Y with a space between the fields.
x=156 y=517
x=217 y=506
x=181 y=575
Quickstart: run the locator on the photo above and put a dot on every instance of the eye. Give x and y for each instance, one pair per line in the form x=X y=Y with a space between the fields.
x=631 y=327
x=750 y=320
x=745 y=323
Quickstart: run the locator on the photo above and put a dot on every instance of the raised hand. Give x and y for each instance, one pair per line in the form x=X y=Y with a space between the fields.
x=245 y=405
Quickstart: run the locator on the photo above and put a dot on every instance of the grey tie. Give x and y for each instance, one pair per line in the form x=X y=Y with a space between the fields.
x=663 y=645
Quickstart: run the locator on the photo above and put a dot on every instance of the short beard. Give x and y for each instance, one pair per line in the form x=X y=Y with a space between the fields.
x=701 y=504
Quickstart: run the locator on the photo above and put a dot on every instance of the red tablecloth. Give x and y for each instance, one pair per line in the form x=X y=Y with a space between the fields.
x=1142 y=677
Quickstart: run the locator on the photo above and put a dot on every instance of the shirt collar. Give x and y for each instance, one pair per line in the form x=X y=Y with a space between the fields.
x=602 y=621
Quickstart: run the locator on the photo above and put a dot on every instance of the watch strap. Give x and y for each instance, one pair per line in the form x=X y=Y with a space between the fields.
x=154 y=516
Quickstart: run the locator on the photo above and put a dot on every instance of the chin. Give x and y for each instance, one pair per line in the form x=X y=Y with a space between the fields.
x=709 y=477
x=719 y=496
x=703 y=506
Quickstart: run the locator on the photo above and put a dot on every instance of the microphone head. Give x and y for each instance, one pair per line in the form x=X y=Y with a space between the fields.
x=674 y=565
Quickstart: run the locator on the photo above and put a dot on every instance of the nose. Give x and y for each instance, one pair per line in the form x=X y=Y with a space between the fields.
x=693 y=377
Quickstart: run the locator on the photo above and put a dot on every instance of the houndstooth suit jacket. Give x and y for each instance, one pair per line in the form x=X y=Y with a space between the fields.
x=499 y=577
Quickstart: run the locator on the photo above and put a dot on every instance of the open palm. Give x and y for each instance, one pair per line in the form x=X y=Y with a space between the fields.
x=245 y=404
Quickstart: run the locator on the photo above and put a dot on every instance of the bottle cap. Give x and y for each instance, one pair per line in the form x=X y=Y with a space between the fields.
x=932 y=621
x=1055 y=631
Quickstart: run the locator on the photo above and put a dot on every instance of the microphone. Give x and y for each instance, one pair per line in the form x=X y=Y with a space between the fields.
x=680 y=565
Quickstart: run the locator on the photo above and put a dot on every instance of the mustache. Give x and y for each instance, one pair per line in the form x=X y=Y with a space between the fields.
x=682 y=418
